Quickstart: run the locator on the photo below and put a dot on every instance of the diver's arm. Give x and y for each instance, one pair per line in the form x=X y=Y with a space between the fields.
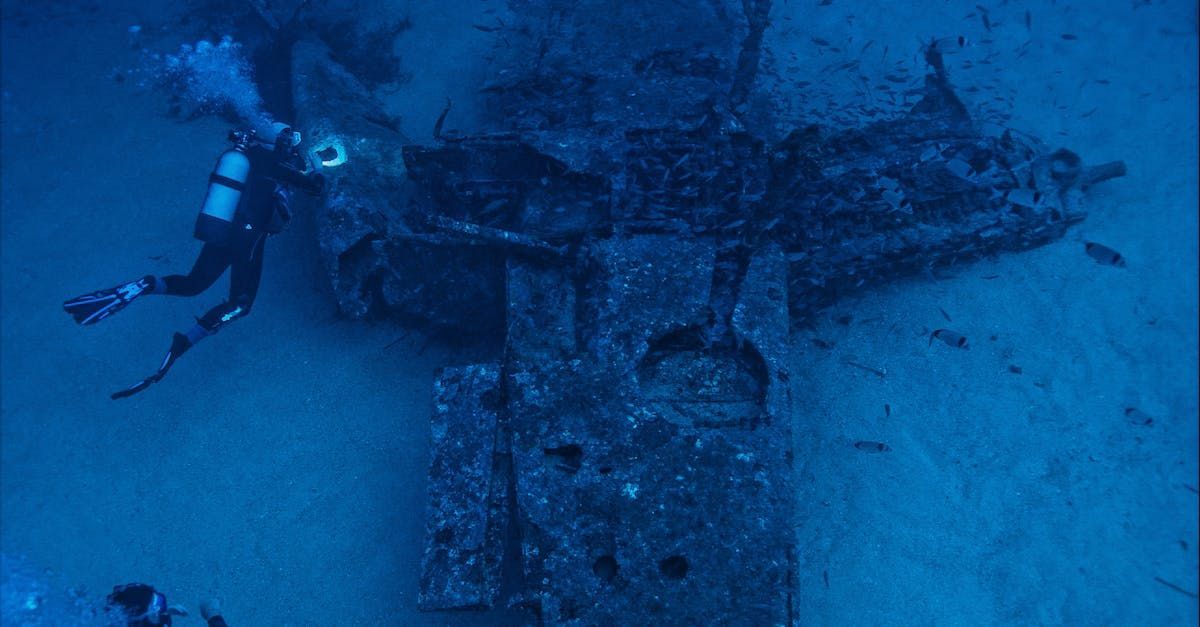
x=310 y=181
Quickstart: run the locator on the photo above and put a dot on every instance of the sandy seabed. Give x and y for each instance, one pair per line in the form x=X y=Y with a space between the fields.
x=280 y=465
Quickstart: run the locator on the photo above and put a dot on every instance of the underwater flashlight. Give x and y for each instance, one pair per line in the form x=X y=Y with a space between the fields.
x=332 y=155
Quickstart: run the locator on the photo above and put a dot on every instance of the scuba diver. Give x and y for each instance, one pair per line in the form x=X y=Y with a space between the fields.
x=140 y=605
x=249 y=197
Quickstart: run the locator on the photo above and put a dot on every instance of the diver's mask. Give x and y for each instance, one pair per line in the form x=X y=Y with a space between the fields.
x=287 y=139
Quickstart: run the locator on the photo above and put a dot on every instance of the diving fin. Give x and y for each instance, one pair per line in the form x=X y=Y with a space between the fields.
x=96 y=306
x=179 y=345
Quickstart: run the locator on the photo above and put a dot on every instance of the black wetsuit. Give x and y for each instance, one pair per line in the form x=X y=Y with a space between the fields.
x=262 y=210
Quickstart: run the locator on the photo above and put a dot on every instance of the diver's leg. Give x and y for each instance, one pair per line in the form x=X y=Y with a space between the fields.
x=246 y=262
x=95 y=306
x=245 y=274
x=208 y=268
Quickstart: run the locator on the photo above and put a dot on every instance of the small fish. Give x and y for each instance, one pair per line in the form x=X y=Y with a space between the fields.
x=819 y=343
x=875 y=371
x=887 y=410
x=1136 y=416
x=486 y=29
x=437 y=126
x=872 y=447
x=1025 y=197
x=949 y=45
x=1104 y=254
x=960 y=168
x=951 y=338
x=820 y=42
x=1176 y=588
x=1015 y=369
x=945 y=315
x=494 y=205
x=1069 y=37
x=1028 y=21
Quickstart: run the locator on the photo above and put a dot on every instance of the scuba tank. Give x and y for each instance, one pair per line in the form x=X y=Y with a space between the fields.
x=225 y=185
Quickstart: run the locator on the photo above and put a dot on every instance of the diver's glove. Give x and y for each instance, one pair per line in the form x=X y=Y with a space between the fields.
x=315 y=184
x=179 y=345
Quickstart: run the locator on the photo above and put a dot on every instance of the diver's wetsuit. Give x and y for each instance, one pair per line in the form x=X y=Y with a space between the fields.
x=263 y=210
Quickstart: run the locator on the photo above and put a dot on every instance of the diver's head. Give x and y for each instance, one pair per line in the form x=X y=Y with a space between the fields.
x=140 y=605
x=276 y=135
x=285 y=137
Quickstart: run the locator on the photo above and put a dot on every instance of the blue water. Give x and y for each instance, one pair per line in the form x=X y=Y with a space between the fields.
x=280 y=465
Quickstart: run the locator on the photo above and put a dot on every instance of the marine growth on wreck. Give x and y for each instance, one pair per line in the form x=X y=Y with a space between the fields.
x=642 y=249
